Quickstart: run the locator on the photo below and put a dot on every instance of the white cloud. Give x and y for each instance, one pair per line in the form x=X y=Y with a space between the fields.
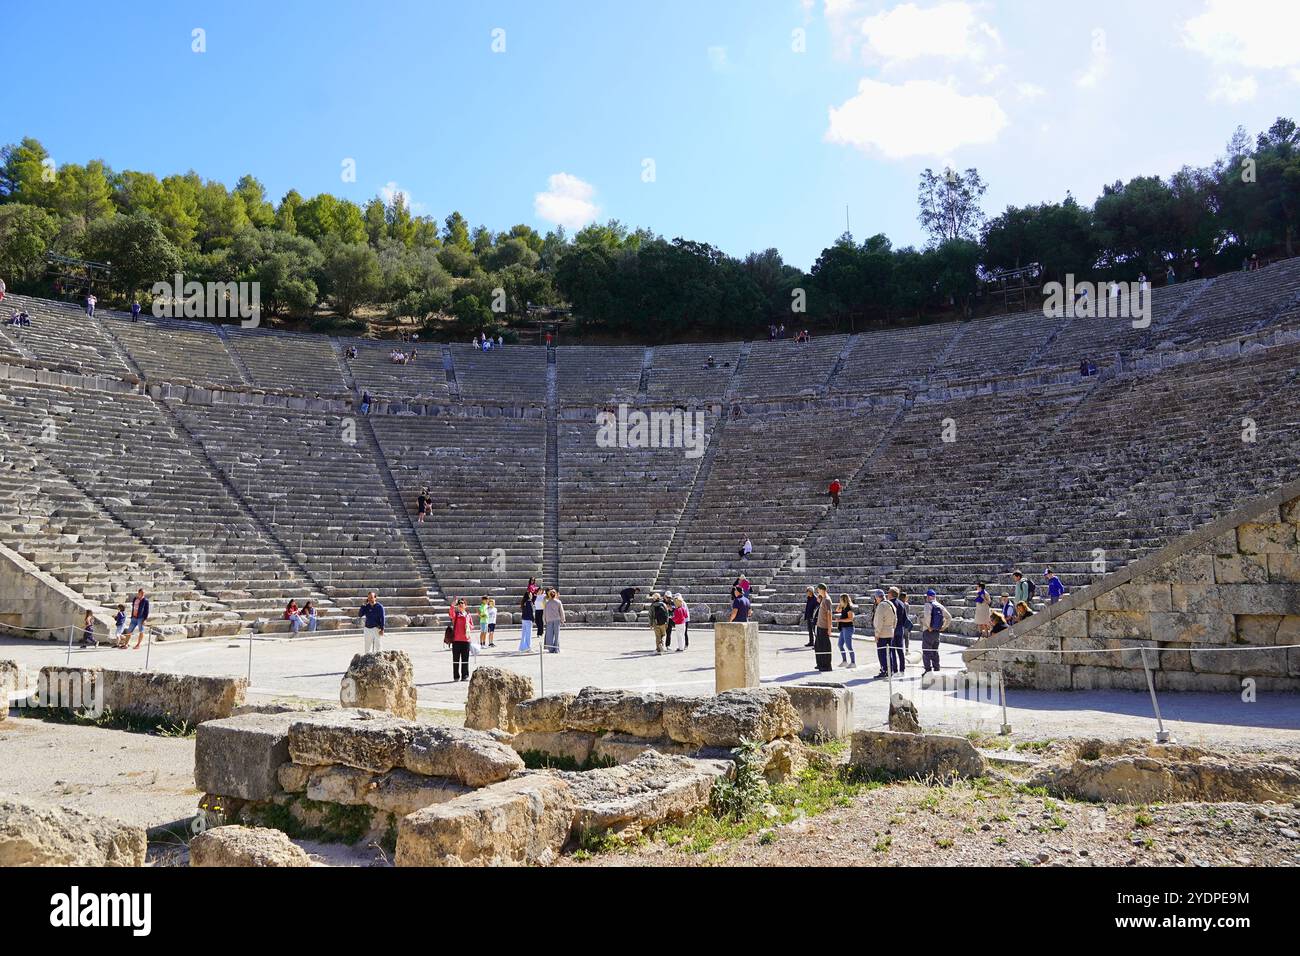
x=567 y=202
x=1259 y=35
x=1098 y=62
x=718 y=61
x=1030 y=91
x=916 y=118
x=949 y=31
x=389 y=191
x=1228 y=90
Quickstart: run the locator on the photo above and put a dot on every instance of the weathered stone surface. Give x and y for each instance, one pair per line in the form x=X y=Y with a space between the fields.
x=914 y=755
x=60 y=836
x=826 y=712
x=516 y=822
x=903 y=716
x=241 y=756
x=624 y=748
x=783 y=760
x=651 y=790
x=343 y=785
x=752 y=713
x=471 y=757
x=1147 y=779
x=364 y=739
x=628 y=712
x=677 y=709
x=493 y=696
x=246 y=846
x=735 y=654
x=401 y=792
x=383 y=681
x=293 y=777
x=542 y=713
x=181 y=697
x=575 y=745
x=13 y=678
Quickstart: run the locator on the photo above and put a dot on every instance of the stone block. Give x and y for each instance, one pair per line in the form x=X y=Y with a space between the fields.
x=62 y=836
x=245 y=847
x=755 y=713
x=903 y=756
x=735 y=652
x=542 y=714
x=826 y=712
x=472 y=757
x=518 y=822
x=363 y=739
x=572 y=745
x=1186 y=628
x=383 y=681
x=1267 y=538
x=493 y=695
x=596 y=710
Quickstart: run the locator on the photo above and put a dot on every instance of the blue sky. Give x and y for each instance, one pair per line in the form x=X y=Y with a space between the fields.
x=754 y=143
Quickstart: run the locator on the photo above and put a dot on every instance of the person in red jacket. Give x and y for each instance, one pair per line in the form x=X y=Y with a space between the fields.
x=459 y=641
x=834 y=492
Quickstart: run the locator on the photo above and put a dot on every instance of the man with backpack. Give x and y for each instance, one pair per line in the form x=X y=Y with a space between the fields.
x=884 y=620
x=934 y=619
x=1024 y=587
x=658 y=620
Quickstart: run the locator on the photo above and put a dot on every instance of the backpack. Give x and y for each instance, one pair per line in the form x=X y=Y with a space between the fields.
x=1033 y=589
x=449 y=635
x=660 y=613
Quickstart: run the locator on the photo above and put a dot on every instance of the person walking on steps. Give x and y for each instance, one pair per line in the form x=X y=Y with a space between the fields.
x=372 y=623
x=834 y=491
x=627 y=594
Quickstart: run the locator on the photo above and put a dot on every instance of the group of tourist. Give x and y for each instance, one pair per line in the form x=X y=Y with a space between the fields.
x=668 y=612
x=398 y=357
x=300 y=617
x=485 y=343
x=19 y=318
x=891 y=626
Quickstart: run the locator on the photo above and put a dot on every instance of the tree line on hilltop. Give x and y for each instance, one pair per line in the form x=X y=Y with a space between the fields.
x=324 y=259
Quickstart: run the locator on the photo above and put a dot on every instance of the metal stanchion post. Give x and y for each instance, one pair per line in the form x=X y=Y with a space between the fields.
x=1162 y=735
x=148 y=645
x=250 y=658
x=1002 y=689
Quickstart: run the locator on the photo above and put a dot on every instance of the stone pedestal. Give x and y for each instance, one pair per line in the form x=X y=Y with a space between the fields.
x=735 y=655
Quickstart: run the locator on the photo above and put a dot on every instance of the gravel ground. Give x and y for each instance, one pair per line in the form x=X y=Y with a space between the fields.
x=909 y=824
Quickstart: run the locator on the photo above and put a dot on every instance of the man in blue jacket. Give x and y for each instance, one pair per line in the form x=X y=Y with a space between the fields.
x=372 y=622
x=1055 y=589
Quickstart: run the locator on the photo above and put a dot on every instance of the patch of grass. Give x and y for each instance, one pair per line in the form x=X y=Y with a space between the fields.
x=944 y=843
x=1143 y=819
x=109 y=719
x=882 y=845
x=1029 y=791
x=541 y=760
x=1033 y=746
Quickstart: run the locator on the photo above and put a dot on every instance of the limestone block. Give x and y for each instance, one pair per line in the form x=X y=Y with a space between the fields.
x=363 y=739
x=596 y=710
x=61 y=836
x=826 y=712
x=572 y=745
x=1268 y=538
x=246 y=846
x=735 y=651
x=493 y=695
x=542 y=713
x=903 y=755
x=383 y=681
x=472 y=757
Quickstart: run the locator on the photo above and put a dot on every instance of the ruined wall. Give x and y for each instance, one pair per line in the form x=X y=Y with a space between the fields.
x=1218 y=604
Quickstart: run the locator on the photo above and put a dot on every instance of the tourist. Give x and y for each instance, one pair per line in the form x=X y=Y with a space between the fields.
x=372 y=623
x=627 y=594
x=834 y=491
x=983 y=607
x=883 y=621
x=492 y=622
x=682 y=618
x=139 y=615
x=999 y=622
x=1008 y=608
x=554 y=612
x=459 y=641
x=659 y=618
x=526 y=621
x=422 y=505
x=119 y=625
x=135 y=310
x=668 y=606
x=290 y=611
x=822 y=642
x=902 y=624
x=1023 y=612
x=810 y=605
x=539 y=608
x=1170 y=276
x=365 y=403
x=483 y=621
x=1055 y=589
x=844 y=621
x=309 y=616
x=88 y=630
x=747 y=548
x=2 y=290
x=742 y=582
x=907 y=631
x=90 y=304
x=739 y=605
x=935 y=619
x=1024 y=589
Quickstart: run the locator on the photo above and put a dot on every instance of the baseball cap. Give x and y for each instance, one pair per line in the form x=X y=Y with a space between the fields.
x=931 y=593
